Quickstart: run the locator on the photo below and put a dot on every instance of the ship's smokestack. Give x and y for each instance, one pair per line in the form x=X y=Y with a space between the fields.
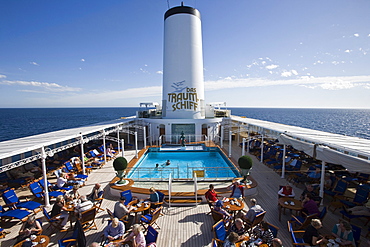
x=183 y=84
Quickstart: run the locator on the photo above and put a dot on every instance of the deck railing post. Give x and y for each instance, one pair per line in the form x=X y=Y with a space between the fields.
x=283 y=166
x=46 y=189
x=123 y=147
x=243 y=147
x=230 y=143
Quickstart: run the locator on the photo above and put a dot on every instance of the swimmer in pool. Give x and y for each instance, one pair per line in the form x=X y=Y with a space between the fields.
x=168 y=162
x=156 y=165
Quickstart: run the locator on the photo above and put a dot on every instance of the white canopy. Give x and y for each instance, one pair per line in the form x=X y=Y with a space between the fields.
x=26 y=144
x=351 y=152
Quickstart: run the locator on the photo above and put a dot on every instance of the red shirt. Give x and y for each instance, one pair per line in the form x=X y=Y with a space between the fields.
x=211 y=195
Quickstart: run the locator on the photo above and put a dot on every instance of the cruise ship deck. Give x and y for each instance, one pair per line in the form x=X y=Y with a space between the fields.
x=188 y=226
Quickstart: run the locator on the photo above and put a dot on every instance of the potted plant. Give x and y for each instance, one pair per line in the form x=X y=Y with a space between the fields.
x=120 y=164
x=245 y=163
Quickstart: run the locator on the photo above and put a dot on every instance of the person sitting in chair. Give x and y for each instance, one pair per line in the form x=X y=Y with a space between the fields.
x=264 y=233
x=96 y=192
x=30 y=227
x=238 y=228
x=286 y=191
x=253 y=211
x=114 y=230
x=237 y=190
x=60 y=211
x=309 y=205
x=218 y=208
x=120 y=209
x=83 y=206
x=211 y=195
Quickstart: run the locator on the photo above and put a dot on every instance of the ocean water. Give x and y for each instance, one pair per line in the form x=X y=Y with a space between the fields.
x=21 y=122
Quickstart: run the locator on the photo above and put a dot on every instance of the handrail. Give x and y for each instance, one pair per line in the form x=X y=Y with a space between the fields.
x=162 y=173
x=169 y=190
x=196 y=189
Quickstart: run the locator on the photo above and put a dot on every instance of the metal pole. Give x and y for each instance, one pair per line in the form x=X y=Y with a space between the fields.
x=262 y=149
x=222 y=137
x=322 y=181
x=46 y=189
x=104 y=148
x=283 y=167
x=136 y=155
x=82 y=154
x=123 y=147
x=230 y=136
x=243 y=147
x=144 y=130
x=118 y=139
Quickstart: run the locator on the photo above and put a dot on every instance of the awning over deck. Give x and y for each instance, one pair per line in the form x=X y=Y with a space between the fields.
x=35 y=143
x=351 y=152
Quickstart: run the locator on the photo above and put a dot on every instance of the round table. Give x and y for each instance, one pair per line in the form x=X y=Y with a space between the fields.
x=38 y=239
x=140 y=206
x=286 y=202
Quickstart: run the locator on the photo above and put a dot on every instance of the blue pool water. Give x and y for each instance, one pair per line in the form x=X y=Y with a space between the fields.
x=183 y=163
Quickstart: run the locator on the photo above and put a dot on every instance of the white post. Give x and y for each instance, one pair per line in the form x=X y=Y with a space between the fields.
x=82 y=154
x=230 y=136
x=243 y=147
x=196 y=188
x=123 y=147
x=46 y=189
x=144 y=130
x=118 y=139
x=104 y=148
x=169 y=189
x=222 y=137
x=283 y=167
x=249 y=139
x=322 y=181
x=136 y=155
x=262 y=149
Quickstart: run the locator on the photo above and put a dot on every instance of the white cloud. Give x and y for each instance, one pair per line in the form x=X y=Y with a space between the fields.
x=347 y=51
x=2 y=76
x=286 y=74
x=82 y=60
x=356 y=35
x=272 y=66
x=160 y=72
x=34 y=63
x=328 y=83
x=49 y=87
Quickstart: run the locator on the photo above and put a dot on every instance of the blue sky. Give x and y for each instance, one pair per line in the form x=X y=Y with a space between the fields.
x=91 y=53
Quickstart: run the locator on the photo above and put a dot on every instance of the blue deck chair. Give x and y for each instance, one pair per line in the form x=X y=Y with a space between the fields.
x=295 y=240
x=38 y=191
x=128 y=195
x=351 y=216
x=219 y=231
x=53 y=187
x=19 y=214
x=274 y=229
x=69 y=168
x=361 y=196
x=151 y=235
x=356 y=234
x=13 y=202
x=78 y=237
x=339 y=189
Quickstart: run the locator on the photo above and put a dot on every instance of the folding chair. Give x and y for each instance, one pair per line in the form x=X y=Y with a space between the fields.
x=12 y=201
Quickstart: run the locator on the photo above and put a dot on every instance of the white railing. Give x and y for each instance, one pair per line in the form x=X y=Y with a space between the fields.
x=179 y=171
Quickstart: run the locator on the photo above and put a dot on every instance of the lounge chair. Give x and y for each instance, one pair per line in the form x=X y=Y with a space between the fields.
x=38 y=192
x=12 y=201
x=19 y=214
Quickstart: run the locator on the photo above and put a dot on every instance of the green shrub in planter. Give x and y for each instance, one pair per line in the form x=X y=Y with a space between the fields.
x=245 y=163
x=120 y=164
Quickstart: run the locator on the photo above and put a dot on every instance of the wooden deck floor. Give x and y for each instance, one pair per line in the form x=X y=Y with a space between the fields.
x=187 y=226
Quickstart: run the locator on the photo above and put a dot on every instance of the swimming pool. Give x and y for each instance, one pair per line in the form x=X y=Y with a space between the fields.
x=209 y=164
